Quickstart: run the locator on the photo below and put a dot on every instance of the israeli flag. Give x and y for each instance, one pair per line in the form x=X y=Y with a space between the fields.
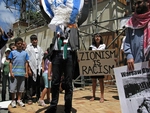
x=62 y=12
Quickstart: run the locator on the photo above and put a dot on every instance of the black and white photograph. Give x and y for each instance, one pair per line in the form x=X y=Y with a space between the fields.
x=134 y=88
x=139 y=105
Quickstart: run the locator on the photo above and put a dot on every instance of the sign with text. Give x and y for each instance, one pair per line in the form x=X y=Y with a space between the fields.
x=99 y=62
x=134 y=88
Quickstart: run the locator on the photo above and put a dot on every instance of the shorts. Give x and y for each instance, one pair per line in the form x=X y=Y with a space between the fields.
x=17 y=84
x=46 y=81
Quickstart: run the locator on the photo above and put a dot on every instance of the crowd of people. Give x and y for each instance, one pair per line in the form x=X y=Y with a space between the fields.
x=24 y=75
x=26 y=68
x=32 y=72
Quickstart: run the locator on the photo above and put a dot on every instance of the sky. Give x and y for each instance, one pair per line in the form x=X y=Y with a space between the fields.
x=7 y=18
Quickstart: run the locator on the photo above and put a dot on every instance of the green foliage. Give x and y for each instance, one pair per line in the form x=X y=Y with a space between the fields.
x=34 y=18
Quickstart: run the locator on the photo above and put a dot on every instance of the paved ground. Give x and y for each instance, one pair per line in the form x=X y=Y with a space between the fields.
x=81 y=103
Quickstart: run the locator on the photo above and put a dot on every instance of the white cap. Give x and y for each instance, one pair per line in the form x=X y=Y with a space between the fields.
x=7 y=49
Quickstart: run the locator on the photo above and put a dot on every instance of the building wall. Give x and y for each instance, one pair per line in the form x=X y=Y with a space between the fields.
x=43 y=33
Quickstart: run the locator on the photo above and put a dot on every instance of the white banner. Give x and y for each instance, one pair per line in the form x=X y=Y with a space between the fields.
x=134 y=88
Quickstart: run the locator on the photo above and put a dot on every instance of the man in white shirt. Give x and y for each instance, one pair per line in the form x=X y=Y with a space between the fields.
x=35 y=53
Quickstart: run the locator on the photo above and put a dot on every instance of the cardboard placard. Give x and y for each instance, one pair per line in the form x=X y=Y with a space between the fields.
x=97 y=62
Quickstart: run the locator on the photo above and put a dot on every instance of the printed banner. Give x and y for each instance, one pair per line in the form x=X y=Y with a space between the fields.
x=99 y=62
x=134 y=88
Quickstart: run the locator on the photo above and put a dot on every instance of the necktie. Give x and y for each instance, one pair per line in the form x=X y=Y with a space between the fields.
x=59 y=43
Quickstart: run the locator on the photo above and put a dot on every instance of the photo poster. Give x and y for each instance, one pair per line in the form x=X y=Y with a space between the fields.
x=134 y=88
x=96 y=62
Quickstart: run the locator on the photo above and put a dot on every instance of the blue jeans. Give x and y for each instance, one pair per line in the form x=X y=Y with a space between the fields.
x=60 y=66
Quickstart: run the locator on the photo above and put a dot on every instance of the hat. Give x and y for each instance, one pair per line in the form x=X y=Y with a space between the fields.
x=7 y=49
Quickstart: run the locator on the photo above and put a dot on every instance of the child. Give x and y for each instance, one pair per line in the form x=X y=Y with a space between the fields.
x=5 y=75
x=12 y=46
x=46 y=67
x=18 y=71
